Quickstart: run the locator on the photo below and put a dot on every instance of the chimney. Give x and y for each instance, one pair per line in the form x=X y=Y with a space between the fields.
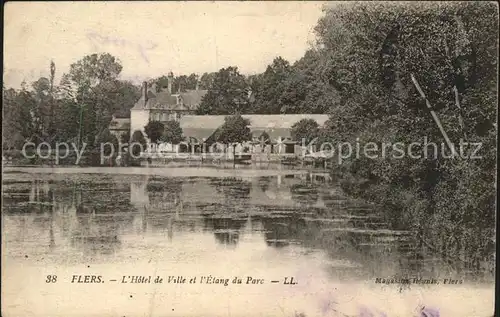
x=145 y=91
x=170 y=82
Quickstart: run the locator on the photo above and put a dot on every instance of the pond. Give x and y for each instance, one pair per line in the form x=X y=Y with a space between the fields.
x=327 y=254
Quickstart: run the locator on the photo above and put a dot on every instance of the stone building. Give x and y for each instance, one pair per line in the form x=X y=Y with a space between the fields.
x=164 y=105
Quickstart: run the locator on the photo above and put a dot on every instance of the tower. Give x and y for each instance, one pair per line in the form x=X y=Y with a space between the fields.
x=170 y=82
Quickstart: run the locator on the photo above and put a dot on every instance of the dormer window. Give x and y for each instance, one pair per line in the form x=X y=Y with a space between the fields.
x=179 y=100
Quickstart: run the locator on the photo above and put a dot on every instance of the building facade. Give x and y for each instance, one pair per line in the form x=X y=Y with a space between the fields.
x=166 y=106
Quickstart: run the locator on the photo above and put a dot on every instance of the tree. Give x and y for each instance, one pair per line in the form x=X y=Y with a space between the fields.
x=305 y=130
x=234 y=130
x=306 y=90
x=125 y=137
x=180 y=83
x=13 y=135
x=183 y=83
x=265 y=138
x=51 y=130
x=28 y=118
x=138 y=143
x=107 y=137
x=122 y=96
x=172 y=132
x=51 y=113
x=372 y=53
x=292 y=89
x=270 y=87
x=92 y=82
x=206 y=80
x=228 y=94
x=42 y=112
x=154 y=130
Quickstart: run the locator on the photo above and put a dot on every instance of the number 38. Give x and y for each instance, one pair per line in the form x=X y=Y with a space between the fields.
x=51 y=279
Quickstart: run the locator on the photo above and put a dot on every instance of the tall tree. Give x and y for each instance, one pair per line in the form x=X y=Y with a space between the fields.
x=172 y=132
x=154 y=130
x=13 y=135
x=29 y=122
x=92 y=79
x=374 y=54
x=42 y=111
x=107 y=137
x=270 y=87
x=305 y=130
x=207 y=80
x=180 y=83
x=137 y=143
x=234 y=130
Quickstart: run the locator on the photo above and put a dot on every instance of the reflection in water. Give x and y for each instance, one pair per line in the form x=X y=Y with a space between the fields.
x=93 y=218
x=226 y=230
x=280 y=231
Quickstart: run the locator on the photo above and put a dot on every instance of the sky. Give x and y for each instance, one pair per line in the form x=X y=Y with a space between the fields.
x=152 y=38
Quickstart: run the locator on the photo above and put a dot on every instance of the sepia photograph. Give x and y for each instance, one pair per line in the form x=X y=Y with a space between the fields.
x=249 y=158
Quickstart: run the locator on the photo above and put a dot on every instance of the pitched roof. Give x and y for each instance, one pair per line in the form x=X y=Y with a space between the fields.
x=164 y=100
x=198 y=133
x=275 y=125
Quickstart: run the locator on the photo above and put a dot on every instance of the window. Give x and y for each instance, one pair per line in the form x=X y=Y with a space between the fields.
x=289 y=148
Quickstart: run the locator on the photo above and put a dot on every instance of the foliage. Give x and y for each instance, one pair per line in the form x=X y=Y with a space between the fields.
x=20 y=120
x=45 y=112
x=370 y=52
x=305 y=129
x=291 y=89
x=270 y=87
x=234 y=130
x=360 y=73
x=106 y=137
x=154 y=130
x=137 y=138
x=180 y=83
x=228 y=94
x=264 y=138
x=206 y=80
x=93 y=84
x=172 y=132
x=125 y=137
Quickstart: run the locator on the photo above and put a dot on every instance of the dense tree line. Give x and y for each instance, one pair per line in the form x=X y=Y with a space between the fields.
x=81 y=106
x=79 y=109
x=281 y=89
